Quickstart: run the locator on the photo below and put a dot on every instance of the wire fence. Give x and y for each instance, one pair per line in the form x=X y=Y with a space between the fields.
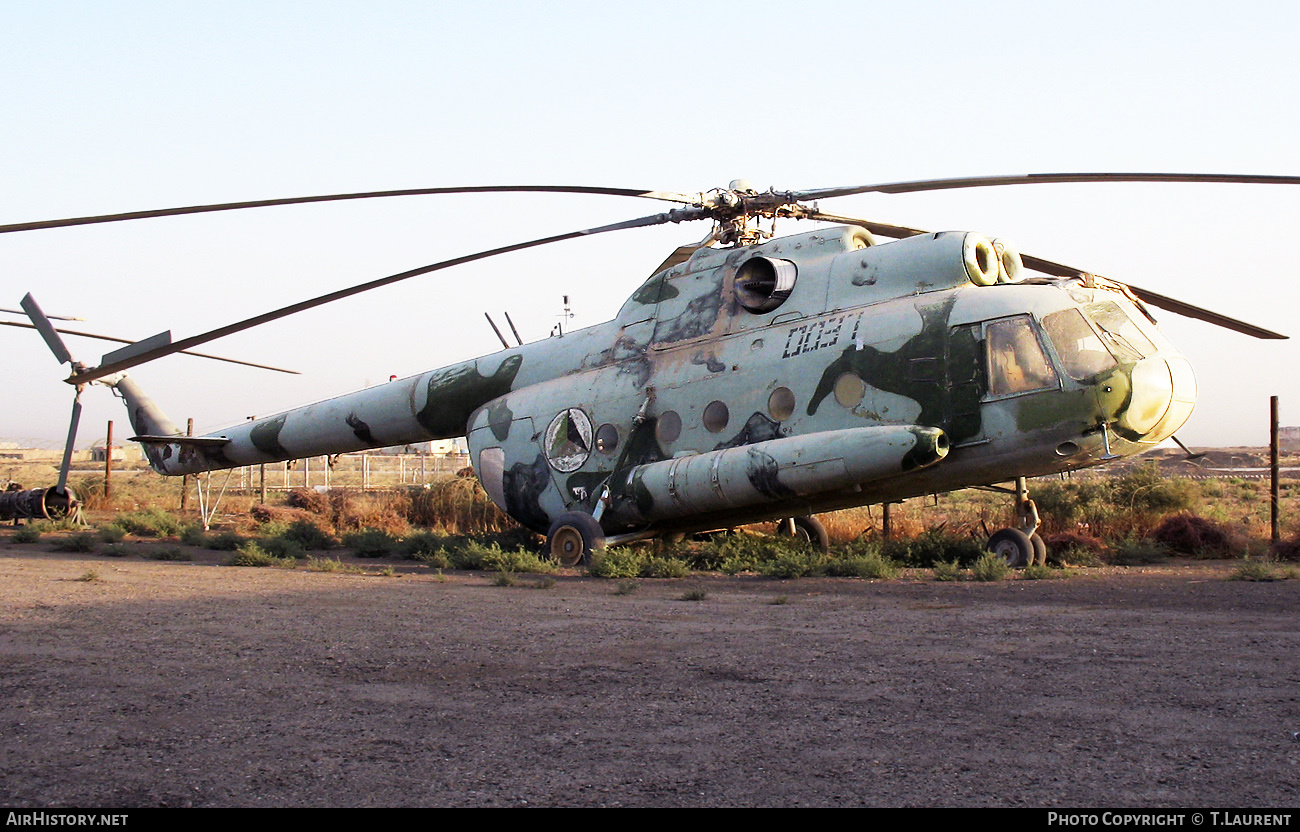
x=363 y=471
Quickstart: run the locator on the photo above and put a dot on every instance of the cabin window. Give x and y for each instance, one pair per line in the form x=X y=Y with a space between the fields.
x=1017 y=363
x=1083 y=354
x=780 y=405
x=668 y=428
x=849 y=389
x=607 y=439
x=716 y=416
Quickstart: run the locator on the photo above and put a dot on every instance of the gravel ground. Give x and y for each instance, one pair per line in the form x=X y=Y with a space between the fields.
x=194 y=684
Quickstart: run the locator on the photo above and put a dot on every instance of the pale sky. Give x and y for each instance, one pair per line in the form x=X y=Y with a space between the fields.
x=108 y=107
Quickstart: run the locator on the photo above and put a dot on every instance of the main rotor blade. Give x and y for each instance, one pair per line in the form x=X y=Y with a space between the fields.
x=298 y=200
x=677 y=215
x=129 y=341
x=1040 y=179
x=1061 y=270
x=881 y=228
x=1190 y=311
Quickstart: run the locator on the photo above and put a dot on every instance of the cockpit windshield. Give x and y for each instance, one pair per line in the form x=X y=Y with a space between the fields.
x=1083 y=352
x=1121 y=334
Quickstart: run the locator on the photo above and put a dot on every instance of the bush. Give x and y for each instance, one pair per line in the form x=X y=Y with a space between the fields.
x=1037 y=572
x=80 y=543
x=1074 y=549
x=1284 y=550
x=457 y=505
x=223 y=541
x=171 y=553
x=371 y=543
x=793 y=563
x=153 y=522
x=664 y=567
x=747 y=552
x=280 y=547
x=112 y=533
x=1256 y=570
x=990 y=567
x=193 y=535
x=309 y=535
x=616 y=562
x=948 y=571
x=251 y=554
x=1133 y=551
x=309 y=500
x=27 y=534
x=1189 y=534
x=1146 y=489
x=870 y=565
x=930 y=547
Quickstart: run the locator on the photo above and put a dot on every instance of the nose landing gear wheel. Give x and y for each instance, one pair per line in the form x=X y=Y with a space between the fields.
x=573 y=537
x=1040 y=550
x=1013 y=546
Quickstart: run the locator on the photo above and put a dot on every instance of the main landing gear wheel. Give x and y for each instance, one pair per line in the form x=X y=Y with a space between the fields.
x=1013 y=546
x=573 y=537
x=806 y=528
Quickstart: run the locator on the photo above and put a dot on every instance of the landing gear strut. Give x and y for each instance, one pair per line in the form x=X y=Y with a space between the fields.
x=1020 y=546
x=805 y=527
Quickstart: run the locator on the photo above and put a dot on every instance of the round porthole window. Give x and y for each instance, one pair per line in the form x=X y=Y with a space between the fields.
x=607 y=439
x=716 y=417
x=568 y=440
x=668 y=428
x=780 y=405
x=849 y=389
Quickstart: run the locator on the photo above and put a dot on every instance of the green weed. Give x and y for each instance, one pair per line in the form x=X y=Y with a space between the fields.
x=371 y=543
x=949 y=570
x=170 y=553
x=990 y=567
x=1038 y=572
x=78 y=543
x=27 y=534
x=1258 y=570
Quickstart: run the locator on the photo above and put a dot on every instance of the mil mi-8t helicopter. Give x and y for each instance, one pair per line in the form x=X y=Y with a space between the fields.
x=751 y=377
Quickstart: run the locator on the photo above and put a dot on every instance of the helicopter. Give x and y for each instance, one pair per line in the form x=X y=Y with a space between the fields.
x=750 y=378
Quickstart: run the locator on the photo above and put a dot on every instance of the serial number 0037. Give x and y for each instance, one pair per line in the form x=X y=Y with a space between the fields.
x=819 y=335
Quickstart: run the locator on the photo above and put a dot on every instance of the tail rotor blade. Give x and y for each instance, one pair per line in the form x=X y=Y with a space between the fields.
x=46 y=329
x=72 y=441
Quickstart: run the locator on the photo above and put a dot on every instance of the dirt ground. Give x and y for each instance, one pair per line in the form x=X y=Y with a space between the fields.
x=195 y=684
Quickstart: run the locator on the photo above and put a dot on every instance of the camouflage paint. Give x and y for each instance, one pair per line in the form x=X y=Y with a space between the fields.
x=894 y=371
x=523 y=485
x=265 y=436
x=454 y=393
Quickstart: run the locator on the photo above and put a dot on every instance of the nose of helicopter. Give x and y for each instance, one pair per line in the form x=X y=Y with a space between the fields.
x=1150 y=399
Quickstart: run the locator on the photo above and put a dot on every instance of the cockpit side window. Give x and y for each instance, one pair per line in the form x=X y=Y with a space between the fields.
x=1082 y=352
x=1017 y=363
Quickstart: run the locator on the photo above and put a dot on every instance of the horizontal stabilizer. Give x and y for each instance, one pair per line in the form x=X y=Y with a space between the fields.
x=198 y=441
